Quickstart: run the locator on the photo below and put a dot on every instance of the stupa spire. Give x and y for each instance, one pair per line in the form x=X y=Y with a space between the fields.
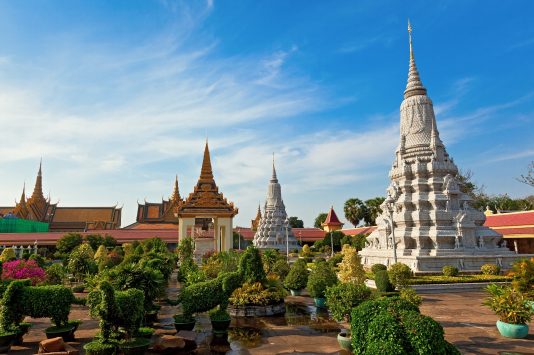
x=206 y=173
x=176 y=192
x=274 y=178
x=414 y=86
x=38 y=189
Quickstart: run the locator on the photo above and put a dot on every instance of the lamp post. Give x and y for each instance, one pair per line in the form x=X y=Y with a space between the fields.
x=390 y=204
x=287 y=238
x=239 y=238
x=332 y=244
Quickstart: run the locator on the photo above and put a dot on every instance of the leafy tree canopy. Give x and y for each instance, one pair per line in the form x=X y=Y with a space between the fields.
x=319 y=220
x=295 y=222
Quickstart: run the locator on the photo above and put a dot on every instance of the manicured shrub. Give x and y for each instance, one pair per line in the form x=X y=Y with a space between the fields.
x=385 y=334
x=297 y=278
x=490 y=269
x=256 y=294
x=130 y=310
x=351 y=268
x=449 y=270
x=335 y=260
x=38 y=259
x=194 y=277
x=411 y=296
x=47 y=302
x=399 y=275
x=523 y=276
x=8 y=254
x=281 y=268
x=382 y=281
x=321 y=277
x=341 y=298
x=22 y=269
x=377 y=267
x=251 y=266
x=67 y=244
x=81 y=261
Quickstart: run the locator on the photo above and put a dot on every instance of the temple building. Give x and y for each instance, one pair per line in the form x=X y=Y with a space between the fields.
x=256 y=221
x=331 y=223
x=427 y=221
x=206 y=215
x=274 y=228
x=37 y=208
x=162 y=215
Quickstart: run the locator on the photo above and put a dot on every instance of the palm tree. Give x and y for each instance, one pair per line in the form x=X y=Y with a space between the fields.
x=373 y=210
x=355 y=210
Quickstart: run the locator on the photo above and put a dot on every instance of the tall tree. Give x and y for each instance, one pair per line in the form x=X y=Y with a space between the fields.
x=355 y=210
x=529 y=177
x=320 y=220
x=295 y=222
x=373 y=210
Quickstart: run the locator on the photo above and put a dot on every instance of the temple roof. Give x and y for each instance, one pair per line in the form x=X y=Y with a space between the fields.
x=206 y=198
x=331 y=219
x=161 y=212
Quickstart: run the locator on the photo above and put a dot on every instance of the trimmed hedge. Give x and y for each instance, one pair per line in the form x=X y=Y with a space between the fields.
x=449 y=270
x=490 y=269
x=395 y=326
x=382 y=282
x=203 y=296
x=377 y=267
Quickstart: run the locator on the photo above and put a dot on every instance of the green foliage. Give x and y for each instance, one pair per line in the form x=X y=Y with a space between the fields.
x=81 y=261
x=219 y=314
x=281 y=268
x=203 y=296
x=8 y=254
x=269 y=257
x=399 y=275
x=306 y=252
x=256 y=294
x=321 y=277
x=195 y=276
x=320 y=220
x=385 y=334
x=509 y=304
x=523 y=276
x=358 y=241
x=38 y=259
x=225 y=261
x=449 y=270
x=295 y=222
x=130 y=310
x=383 y=284
x=355 y=210
x=351 y=268
x=373 y=210
x=490 y=269
x=185 y=257
x=97 y=347
x=441 y=279
x=341 y=298
x=155 y=245
x=378 y=267
x=67 y=244
x=411 y=296
x=335 y=260
x=10 y=314
x=251 y=266
x=297 y=278
x=145 y=332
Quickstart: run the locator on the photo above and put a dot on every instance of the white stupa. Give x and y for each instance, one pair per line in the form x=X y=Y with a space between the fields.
x=434 y=224
x=273 y=226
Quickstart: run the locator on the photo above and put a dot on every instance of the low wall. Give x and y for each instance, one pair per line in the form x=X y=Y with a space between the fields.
x=257 y=311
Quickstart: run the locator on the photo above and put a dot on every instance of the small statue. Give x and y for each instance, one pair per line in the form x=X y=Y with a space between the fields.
x=457 y=243
x=481 y=242
x=504 y=243
x=461 y=265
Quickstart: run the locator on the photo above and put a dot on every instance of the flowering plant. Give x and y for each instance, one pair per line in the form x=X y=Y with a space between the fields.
x=22 y=269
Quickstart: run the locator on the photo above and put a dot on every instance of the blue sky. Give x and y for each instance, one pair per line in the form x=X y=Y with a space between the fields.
x=118 y=96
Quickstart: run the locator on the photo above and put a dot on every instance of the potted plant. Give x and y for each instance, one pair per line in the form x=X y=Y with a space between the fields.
x=321 y=277
x=6 y=339
x=220 y=320
x=297 y=278
x=24 y=327
x=145 y=332
x=512 y=308
x=76 y=323
x=65 y=331
x=341 y=299
x=184 y=322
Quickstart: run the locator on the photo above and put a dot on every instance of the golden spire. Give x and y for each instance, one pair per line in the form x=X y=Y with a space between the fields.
x=38 y=189
x=21 y=210
x=206 y=174
x=176 y=193
x=414 y=85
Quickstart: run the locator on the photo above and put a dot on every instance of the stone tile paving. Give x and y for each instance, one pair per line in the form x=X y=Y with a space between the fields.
x=471 y=326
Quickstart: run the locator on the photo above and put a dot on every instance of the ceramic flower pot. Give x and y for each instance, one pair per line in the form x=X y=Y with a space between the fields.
x=320 y=302
x=344 y=341
x=220 y=325
x=65 y=332
x=185 y=325
x=514 y=331
x=6 y=340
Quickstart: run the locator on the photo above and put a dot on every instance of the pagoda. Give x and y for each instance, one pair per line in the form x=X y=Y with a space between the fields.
x=273 y=227
x=256 y=221
x=208 y=208
x=332 y=222
x=427 y=220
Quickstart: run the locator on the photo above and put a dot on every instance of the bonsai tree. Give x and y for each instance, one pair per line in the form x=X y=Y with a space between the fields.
x=321 y=277
x=351 y=268
x=297 y=278
x=343 y=297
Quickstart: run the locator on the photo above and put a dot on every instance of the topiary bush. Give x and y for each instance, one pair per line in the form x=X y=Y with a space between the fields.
x=8 y=254
x=281 y=268
x=321 y=277
x=341 y=298
x=251 y=266
x=382 y=281
x=411 y=296
x=449 y=270
x=399 y=275
x=395 y=326
x=490 y=269
x=55 y=274
x=377 y=267
x=297 y=278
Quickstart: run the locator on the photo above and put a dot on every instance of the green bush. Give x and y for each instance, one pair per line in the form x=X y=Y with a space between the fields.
x=335 y=260
x=203 y=296
x=47 y=301
x=55 y=274
x=130 y=310
x=490 y=269
x=378 y=267
x=97 y=347
x=321 y=277
x=219 y=314
x=382 y=281
x=256 y=294
x=395 y=326
x=341 y=298
x=251 y=266
x=195 y=276
x=509 y=304
x=281 y=268
x=297 y=278
x=411 y=296
x=449 y=270
x=399 y=275
x=8 y=254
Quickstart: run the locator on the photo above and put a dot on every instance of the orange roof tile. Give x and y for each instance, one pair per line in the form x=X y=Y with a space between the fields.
x=510 y=219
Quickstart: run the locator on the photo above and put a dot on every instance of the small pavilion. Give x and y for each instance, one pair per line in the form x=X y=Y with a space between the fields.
x=206 y=215
x=332 y=223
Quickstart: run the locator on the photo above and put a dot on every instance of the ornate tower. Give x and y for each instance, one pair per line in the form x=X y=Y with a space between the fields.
x=332 y=222
x=38 y=205
x=272 y=228
x=434 y=224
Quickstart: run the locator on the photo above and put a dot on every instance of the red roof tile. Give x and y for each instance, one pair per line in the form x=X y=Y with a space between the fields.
x=331 y=219
x=523 y=218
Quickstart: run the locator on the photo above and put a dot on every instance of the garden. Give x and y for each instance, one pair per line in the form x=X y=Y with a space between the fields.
x=148 y=299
